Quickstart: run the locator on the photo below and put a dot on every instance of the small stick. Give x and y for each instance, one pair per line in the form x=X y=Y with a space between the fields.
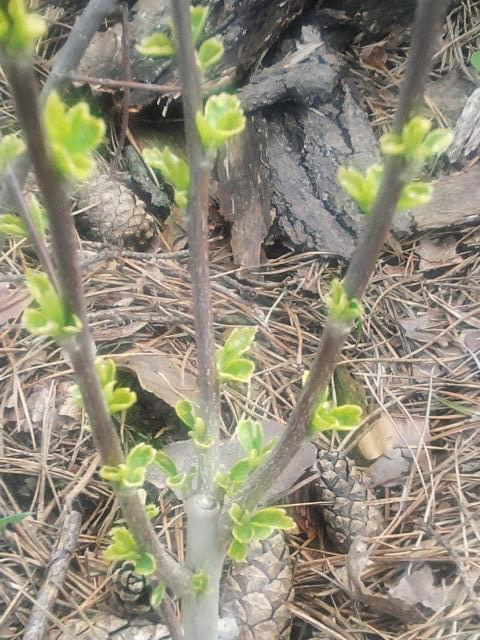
x=57 y=569
x=126 y=90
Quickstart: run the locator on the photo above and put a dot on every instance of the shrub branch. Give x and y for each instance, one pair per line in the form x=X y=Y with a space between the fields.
x=427 y=23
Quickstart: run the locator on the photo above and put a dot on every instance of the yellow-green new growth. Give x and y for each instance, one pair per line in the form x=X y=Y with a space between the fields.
x=231 y=365
x=124 y=547
x=221 y=119
x=175 y=171
x=51 y=317
x=13 y=225
x=18 y=29
x=11 y=146
x=74 y=133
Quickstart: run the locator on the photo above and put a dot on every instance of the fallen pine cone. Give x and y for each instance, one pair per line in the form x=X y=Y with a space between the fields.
x=349 y=512
x=113 y=214
x=256 y=592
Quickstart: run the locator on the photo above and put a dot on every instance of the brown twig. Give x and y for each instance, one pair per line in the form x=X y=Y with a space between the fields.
x=426 y=27
x=57 y=569
x=120 y=84
x=197 y=231
x=126 y=90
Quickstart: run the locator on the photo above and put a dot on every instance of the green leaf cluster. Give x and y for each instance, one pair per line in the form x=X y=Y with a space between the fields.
x=222 y=118
x=50 y=317
x=475 y=60
x=415 y=145
x=13 y=225
x=161 y=43
x=18 y=29
x=198 y=431
x=257 y=526
x=175 y=479
x=11 y=146
x=74 y=133
x=175 y=171
x=417 y=142
x=341 y=308
x=231 y=366
x=124 y=547
x=132 y=473
x=250 y=435
x=116 y=398
x=328 y=417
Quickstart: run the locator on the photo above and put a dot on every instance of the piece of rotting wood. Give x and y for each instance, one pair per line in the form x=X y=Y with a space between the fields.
x=57 y=569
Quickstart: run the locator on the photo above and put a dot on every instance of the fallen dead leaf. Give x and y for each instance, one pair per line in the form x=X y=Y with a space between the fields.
x=424 y=327
x=375 y=55
x=471 y=340
x=113 y=333
x=392 y=442
x=174 y=232
x=161 y=375
x=13 y=302
x=437 y=253
x=418 y=588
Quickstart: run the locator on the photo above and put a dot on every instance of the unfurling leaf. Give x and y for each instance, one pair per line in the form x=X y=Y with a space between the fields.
x=250 y=435
x=243 y=532
x=210 y=53
x=199 y=583
x=11 y=146
x=51 y=317
x=18 y=29
x=230 y=365
x=116 y=398
x=361 y=188
x=14 y=225
x=123 y=546
x=145 y=564
x=141 y=456
x=221 y=119
x=237 y=551
x=157 y=595
x=341 y=308
x=175 y=171
x=475 y=60
x=73 y=133
x=156 y=45
x=417 y=143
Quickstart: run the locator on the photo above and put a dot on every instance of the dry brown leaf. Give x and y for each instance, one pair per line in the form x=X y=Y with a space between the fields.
x=393 y=441
x=418 y=588
x=425 y=327
x=13 y=302
x=471 y=340
x=375 y=55
x=437 y=253
x=174 y=233
x=161 y=375
x=113 y=333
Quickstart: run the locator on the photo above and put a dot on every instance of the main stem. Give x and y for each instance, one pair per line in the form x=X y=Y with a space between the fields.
x=204 y=552
x=426 y=28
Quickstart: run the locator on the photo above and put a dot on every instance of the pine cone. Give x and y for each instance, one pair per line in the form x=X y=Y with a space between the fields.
x=349 y=512
x=130 y=595
x=113 y=213
x=256 y=592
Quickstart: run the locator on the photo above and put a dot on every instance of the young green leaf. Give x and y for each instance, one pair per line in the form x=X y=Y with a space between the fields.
x=11 y=146
x=175 y=171
x=186 y=413
x=230 y=365
x=243 y=532
x=13 y=226
x=210 y=53
x=240 y=370
x=237 y=514
x=166 y=464
x=250 y=435
x=152 y=510
x=341 y=308
x=348 y=416
x=145 y=564
x=111 y=473
x=18 y=29
x=415 y=194
x=141 y=456
x=123 y=546
x=239 y=341
x=15 y=518
x=274 y=517
x=199 y=583
x=51 y=317
x=198 y=19
x=221 y=119
x=156 y=45
x=73 y=134
x=157 y=595
x=237 y=551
